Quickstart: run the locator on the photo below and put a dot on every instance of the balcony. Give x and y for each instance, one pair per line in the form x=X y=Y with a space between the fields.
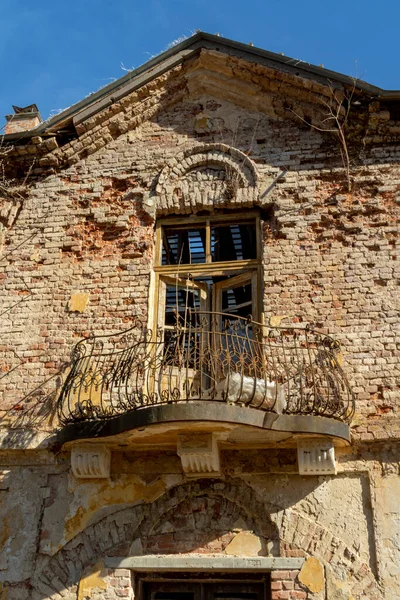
x=209 y=368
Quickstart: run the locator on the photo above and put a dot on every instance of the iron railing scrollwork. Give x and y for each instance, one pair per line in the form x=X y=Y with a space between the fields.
x=209 y=357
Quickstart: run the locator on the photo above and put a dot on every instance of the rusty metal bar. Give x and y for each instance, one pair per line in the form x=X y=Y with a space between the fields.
x=209 y=357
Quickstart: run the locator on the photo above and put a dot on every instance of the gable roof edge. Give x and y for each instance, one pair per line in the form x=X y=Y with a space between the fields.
x=170 y=58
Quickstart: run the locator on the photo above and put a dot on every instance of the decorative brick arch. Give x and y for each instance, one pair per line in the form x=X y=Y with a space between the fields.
x=210 y=511
x=298 y=536
x=204 y=177
x=64 y=569
x=301 y=535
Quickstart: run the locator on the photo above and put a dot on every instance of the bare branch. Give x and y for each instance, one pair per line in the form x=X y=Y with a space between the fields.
x=337 y=112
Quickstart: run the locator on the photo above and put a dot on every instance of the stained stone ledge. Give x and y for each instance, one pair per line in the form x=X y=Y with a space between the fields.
x=203 y=563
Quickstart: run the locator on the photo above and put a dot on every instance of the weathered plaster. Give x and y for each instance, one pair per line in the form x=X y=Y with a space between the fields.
x=78 y=502
x=92 y=581
x=245 y=543
x=20 y=515
x=341 y=504
x=388 y=522
x=312 y=575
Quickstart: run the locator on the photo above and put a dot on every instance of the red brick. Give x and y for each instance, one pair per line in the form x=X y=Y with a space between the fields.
x=276 y=585
x=288 y=585
x=280 y=575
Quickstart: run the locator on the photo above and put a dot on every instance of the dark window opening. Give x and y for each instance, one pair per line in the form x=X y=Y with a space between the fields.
x=202 y=586
x=233 y=242
x=183 y=246
x=237 y=301
x=217 y=242
x=177 y=305
x=393 y=108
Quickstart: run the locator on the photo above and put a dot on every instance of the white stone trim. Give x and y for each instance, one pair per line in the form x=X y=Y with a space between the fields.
x=203 y=563
x=316 y=457
x=199 y=454
x=90 y=461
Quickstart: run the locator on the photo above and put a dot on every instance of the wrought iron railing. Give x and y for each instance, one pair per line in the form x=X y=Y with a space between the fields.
x=209 y=357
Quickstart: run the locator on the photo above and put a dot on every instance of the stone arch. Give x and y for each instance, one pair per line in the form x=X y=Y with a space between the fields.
x=302 y=536
x=63 y=570
x=212 y=510
x=204 y=177
x=298 y=536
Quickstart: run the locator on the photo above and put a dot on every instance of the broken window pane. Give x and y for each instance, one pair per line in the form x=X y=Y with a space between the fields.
x=183 y=246
x=237 y=301
x=233 y=242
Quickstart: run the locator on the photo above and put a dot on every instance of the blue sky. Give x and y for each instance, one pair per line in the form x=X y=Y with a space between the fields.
x=56 y=52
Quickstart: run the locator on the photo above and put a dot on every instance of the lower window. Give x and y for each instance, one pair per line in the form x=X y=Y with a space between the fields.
x=204 y=586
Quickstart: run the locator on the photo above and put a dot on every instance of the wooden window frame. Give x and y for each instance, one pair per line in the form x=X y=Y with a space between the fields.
x=223 y=268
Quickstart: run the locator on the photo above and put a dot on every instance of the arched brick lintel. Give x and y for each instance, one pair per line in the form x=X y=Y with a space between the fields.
x=296 y=533
x=300 y=536
x=183 y=185
x=63 y=570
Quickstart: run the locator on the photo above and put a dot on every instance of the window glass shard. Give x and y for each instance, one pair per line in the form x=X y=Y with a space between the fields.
x=233 y=242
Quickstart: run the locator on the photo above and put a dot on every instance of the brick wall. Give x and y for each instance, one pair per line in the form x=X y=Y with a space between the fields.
x=330 y=255
x=285 y=586
x=120 y=583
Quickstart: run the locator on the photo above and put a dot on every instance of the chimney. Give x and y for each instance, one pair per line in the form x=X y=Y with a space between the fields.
x=23 y=119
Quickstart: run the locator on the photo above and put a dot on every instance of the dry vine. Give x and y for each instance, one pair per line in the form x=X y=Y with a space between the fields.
x=12 y=191
x=10 y=188
x=335 y=121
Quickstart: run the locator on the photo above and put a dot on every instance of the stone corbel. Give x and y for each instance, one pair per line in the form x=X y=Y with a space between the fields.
x=199 y=455
x=90 y=461
x=316 y=457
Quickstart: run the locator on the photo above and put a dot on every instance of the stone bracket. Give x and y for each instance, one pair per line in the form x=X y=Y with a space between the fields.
x=316 y=457
x=199 y=454
x=90 y=461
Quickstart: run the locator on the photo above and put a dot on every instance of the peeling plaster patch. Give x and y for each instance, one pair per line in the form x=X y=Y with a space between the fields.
x=275 y=320
x=19 y=518
x=35 y=256
x=337 y=590
x=91 y=582
x=78 y=302
x=337 y=504
x=4 y=537
x=387 y=497
x=245 y=543
x=312 y=575
x=136 y=548
x=391 y=494
x=90 y=497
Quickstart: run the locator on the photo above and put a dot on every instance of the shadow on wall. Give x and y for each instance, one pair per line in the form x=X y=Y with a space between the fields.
x=35 y=412
x=207 y=517
x=225 y=517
